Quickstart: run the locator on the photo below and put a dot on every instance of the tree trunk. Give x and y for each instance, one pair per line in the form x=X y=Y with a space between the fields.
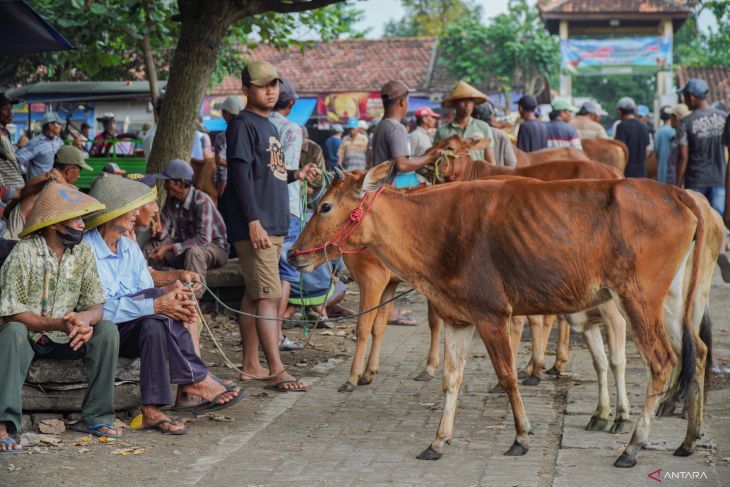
x=149 y=60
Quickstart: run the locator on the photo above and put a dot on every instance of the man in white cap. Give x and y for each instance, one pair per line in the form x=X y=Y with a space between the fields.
x=230 y=107
x=588 y=121
x=37 y=155
x=51 y=307
x=422 y=136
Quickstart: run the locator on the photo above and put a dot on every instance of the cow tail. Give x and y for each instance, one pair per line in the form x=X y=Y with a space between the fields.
x=706 y=337
x=689 y=352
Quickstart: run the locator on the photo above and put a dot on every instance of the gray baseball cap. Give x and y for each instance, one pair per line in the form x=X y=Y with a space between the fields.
x=695 y=87
x=287 y=92
x=337 y=128
x=626 y=103
x=50 y=117
x=232 y=104
x=593 y=107
x=177 y=169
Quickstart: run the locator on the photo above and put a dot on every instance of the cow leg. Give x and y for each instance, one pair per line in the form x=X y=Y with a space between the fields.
x=616 y=336
x=561 y=347
x=371 y=291
x=435 y=323
x=592 y=336
x=695 y=396
x=495 y=337
x=537 y=362
x=652 y=342
x=381 y=322
x=517 y=323
x=457 y=342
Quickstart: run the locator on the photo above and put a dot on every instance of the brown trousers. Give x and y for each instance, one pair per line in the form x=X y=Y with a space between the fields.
x=197 y=259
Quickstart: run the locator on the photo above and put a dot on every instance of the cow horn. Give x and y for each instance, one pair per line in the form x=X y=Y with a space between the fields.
x=339 y=174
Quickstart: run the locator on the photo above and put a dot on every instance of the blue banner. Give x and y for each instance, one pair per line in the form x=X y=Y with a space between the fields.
x=616 y=55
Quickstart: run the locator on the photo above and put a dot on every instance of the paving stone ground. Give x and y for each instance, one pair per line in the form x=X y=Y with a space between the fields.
x=371 y=437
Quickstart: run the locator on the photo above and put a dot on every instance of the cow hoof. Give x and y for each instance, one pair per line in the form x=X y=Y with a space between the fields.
x=424 y=376
x=682 y=451
x=429 y=454
x=532 y=380
x=364 y=382
x=522 y=375
x=346 y=387
x=666 y=409
x=516 y=450
x=625 y=461
x=553 y=371
x=621 y=426
x=496 y=390
x=597 y=424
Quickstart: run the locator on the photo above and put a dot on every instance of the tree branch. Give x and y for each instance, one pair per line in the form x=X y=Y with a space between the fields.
x=285 y=6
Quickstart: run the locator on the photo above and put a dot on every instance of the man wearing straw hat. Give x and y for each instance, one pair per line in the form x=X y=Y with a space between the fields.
x=51 y=307
x=150 y=321
x=463 y=98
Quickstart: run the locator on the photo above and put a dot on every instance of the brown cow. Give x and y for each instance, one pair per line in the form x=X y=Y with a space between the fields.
x=547 y=155
x=486 y=251
x=611 y=152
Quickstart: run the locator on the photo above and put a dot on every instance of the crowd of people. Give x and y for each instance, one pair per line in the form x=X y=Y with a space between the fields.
x=110 y=274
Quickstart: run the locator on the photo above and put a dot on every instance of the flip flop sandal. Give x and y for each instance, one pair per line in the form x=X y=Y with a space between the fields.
x=278 y=387
x=231 y=385
x=403 y=321
x=95 y=429
x=188 y=409
x=9 y=442
x=210 y=406
x=156 y=427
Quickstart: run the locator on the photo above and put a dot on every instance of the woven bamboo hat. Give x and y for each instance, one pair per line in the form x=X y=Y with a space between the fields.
x=461 y=91
x=57 y=203
x=120 y=195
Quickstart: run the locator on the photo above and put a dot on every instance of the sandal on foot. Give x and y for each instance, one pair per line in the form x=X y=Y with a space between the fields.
x=212 y=405
x=287 y=345
x=9 y=442
x=95 y=430
x=172 y=422
x=230 y=384
x=279 y=386
x=403 y=321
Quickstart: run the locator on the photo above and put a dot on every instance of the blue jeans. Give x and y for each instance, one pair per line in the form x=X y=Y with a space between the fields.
x=715 y=195
x=287 y=272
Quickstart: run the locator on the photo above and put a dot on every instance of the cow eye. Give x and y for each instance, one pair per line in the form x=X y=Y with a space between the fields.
x=325 y=208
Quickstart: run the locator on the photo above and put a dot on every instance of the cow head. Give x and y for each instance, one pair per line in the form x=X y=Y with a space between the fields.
x=323 y=237
x=453 y=153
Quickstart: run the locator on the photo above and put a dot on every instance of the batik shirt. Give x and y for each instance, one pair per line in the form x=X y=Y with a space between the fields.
x=74 y=283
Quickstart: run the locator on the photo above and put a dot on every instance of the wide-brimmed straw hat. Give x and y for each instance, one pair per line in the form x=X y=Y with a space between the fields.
x=57 y=203
x=120 y=195
x=461 y=91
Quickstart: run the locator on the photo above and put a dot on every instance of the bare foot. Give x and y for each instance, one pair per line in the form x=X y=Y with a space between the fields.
x=208 y=389
x=258 y=373
x=14 y=445
x=152 y=415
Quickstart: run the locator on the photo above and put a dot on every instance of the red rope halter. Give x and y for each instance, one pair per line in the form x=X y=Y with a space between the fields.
x=353 y=223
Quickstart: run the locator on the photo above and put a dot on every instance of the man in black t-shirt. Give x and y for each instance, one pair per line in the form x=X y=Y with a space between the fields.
x=532 y=135
x=256 y=206
x=635 y=135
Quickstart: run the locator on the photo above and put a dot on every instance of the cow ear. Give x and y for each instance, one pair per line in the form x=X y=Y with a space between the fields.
x=376 y=177
x=479 y=144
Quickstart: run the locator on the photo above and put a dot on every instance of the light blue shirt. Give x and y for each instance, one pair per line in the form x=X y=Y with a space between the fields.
x=37 y=155
x=122 y=275
x=662 y=144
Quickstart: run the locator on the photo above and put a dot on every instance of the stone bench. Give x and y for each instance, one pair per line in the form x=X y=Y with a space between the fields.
x=227 y=283
x=60 y=385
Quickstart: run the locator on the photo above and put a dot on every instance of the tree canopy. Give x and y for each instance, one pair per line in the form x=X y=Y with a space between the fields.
x=693 y=47
x=429 y=17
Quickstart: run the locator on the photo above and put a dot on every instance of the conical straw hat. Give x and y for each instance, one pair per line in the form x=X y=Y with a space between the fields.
x=120 y=195
x=461 y=91
x=57 y=203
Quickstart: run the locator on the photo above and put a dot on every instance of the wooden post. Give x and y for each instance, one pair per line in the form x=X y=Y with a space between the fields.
x=664 y=79
x=566 y=81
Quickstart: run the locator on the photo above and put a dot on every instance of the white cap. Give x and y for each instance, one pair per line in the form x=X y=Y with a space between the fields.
x=232 y=104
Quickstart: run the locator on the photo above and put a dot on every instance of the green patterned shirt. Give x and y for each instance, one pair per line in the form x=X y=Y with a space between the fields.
x=74 y=284
x=475 y=129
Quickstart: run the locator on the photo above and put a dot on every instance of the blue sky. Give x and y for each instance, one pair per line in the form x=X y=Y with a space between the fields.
x=378 y=12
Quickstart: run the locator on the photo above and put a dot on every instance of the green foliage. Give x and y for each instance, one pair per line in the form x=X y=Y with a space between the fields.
x=430 y=17
x=608 y=90
x=513 y=49
x=695 y=48
x=109 y=33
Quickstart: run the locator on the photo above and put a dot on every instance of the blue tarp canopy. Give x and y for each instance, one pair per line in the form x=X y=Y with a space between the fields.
x=25 y=32
x=300 y=114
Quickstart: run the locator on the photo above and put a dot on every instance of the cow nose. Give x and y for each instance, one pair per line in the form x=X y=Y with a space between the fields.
x=291 y=257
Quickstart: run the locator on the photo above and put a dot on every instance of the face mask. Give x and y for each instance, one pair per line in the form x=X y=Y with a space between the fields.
x=71 y=238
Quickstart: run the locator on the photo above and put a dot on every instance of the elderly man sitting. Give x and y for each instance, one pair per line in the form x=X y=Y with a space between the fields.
x=199 y=242
x=51 y=307
x=150 y=321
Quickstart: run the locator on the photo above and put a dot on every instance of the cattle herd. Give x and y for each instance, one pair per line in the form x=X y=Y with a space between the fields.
x=562 y=237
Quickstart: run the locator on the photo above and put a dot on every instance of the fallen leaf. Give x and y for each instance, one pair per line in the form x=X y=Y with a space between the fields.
x=84 y=440
x=727 y=459
x=129 y=451
x=50 y=440
x=333 y=333
x=106 y=439
x=84 y=450
x=496 y=427
x=52 y=426
x=219 y=417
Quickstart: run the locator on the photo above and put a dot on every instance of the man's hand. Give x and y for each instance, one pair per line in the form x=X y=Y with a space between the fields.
x=189 y=276
x=155 y=228
x=159 y=252
x=259 y=237
x=78 y=329
x=310 y=172
x=176 y=304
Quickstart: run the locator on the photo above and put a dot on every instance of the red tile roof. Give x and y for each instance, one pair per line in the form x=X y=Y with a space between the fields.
x=346 y=65
x=718 y=79
x=615 y=6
